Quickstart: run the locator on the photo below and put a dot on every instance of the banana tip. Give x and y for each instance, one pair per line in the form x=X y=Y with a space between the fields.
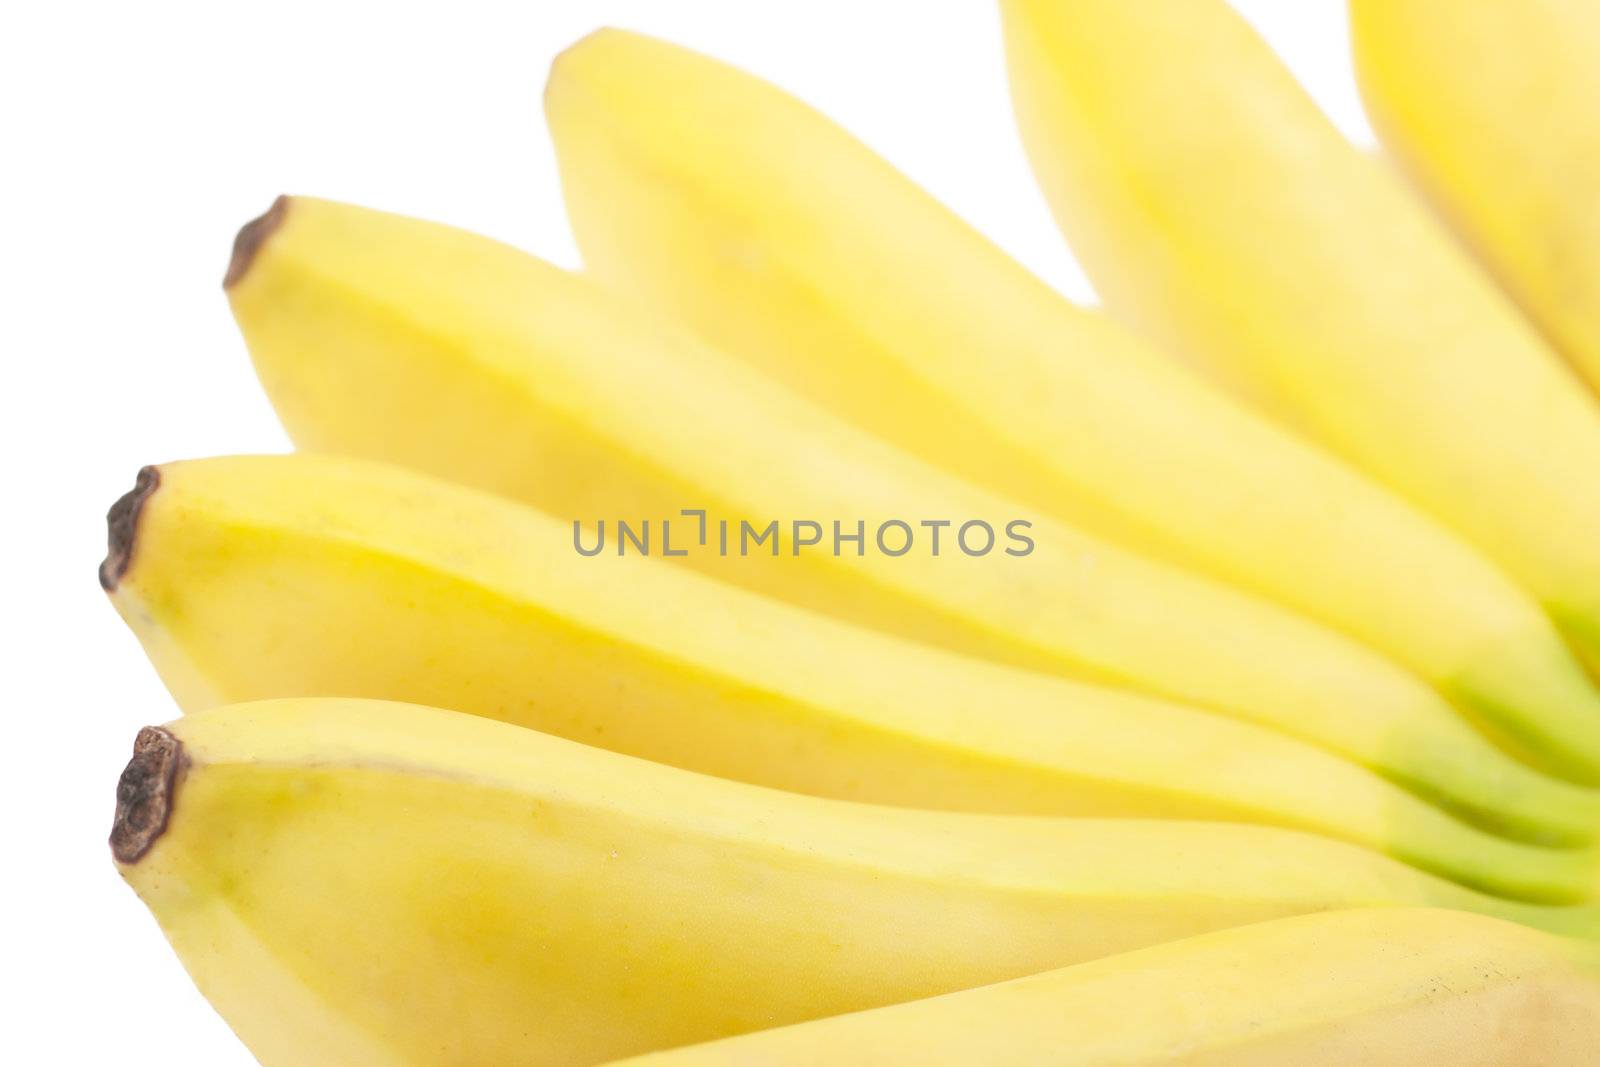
x=251 y=236
x=145 y=793
x=122 y=527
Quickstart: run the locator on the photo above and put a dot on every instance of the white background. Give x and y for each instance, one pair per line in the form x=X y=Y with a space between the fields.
x=136 y=138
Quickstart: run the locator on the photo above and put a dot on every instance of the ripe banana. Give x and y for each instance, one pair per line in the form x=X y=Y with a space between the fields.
x=719 y=199
x=1218 y=209
x=361 y=883
x=1379 y=987
x=1494 y=107
x=416 y=343
x=289 y=576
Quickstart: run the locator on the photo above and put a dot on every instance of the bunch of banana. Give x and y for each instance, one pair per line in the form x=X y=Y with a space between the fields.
x=807 y=634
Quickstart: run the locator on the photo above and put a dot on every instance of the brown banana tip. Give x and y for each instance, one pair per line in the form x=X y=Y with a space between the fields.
x=122 y=527
x=145 y=793
x=251 y=236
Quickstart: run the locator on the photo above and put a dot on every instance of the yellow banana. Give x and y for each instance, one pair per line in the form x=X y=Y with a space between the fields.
x=1494 y=106
x=416 y=343
x=719 y=199
x=1217 y=208
x=361 y=883
x=289 y=576
x=1379 y=987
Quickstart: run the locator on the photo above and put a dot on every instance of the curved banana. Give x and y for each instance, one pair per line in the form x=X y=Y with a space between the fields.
x=357 y=883
x=1380 y=987
x=289 y=576
x=1494 y=106
x=721 y=200
x=416 y=343
x=1218 y=209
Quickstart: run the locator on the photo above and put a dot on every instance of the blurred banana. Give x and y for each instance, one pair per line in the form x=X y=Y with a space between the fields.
x=1217 y=208
x=1494 y=107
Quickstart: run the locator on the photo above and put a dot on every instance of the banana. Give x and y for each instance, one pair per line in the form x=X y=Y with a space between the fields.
x=419 y=344
x=717 y=198
x=289 y=576
x=1492 y=107
x=1215 y=207
x=1382 y=987
x=362 y=883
